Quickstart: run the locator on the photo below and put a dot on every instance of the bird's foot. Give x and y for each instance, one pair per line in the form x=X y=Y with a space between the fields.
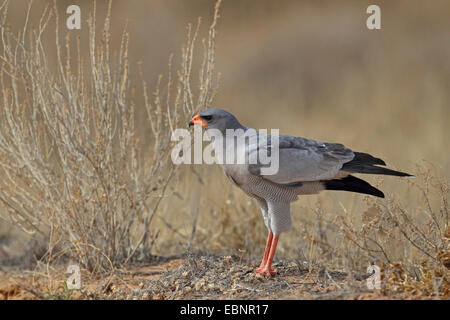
x=265 y=270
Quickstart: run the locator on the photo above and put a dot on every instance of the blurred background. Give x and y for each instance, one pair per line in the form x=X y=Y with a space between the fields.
x=311 y=69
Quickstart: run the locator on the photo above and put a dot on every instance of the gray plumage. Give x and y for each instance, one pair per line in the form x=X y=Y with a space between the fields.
x=305 y=167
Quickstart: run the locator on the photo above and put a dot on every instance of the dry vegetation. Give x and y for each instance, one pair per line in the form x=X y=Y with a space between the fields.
x=77 y=172
x=84 y=156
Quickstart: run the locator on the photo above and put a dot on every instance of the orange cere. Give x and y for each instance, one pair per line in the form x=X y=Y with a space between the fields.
x=197 y=120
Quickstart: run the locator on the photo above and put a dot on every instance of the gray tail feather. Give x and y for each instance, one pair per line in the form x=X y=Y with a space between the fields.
x=365 y=163
x=353 y=184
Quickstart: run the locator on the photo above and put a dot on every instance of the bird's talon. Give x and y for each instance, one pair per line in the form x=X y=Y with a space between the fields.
x=268 y=272
x=265 y=271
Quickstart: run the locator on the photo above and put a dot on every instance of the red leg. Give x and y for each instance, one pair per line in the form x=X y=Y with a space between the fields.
x=266 y=253
x=267 y=270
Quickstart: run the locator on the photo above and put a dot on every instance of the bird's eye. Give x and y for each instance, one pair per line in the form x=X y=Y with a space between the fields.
x=207 y=118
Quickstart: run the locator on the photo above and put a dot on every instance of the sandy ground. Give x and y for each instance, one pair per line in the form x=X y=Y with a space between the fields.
x=199 y=277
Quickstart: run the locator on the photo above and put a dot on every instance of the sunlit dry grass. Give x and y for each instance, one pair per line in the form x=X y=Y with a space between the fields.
x=77 y=172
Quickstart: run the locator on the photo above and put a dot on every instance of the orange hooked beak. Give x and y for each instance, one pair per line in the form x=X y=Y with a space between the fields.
x=197 y=120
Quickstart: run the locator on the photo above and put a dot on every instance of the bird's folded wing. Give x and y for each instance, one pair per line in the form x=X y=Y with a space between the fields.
x=302 y=159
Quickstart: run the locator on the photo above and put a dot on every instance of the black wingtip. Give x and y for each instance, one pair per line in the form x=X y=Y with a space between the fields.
x=368 y=164
x=409 y=175
x=391 y=172
x=353 y=184
x=365 y=158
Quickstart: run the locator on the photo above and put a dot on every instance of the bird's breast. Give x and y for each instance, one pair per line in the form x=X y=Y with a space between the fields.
x=258 y=187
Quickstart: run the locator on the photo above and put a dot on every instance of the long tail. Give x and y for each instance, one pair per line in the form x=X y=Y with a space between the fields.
x=353 y=184
x=365 y=163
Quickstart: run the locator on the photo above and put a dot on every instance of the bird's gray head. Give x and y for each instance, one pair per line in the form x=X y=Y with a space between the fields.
x=215 y=118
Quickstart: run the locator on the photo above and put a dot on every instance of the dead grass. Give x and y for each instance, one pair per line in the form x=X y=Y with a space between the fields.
x=207 y=277
x=77 y=172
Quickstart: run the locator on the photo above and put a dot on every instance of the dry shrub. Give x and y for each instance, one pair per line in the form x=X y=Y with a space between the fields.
x=75 y=168
x=432 y=281
x=411 y=244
